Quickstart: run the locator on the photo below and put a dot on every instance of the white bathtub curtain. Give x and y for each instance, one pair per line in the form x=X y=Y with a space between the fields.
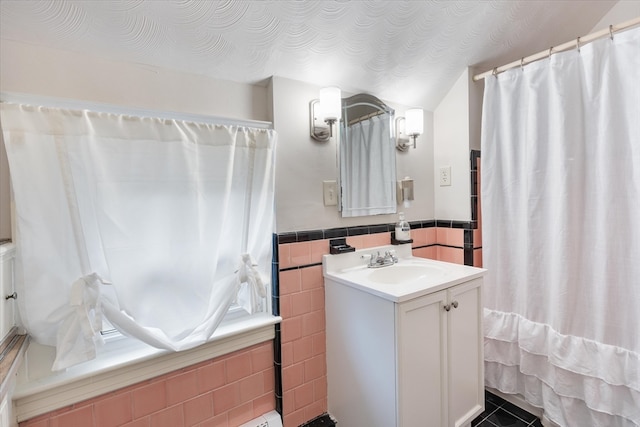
x=367 y=176
x=159 y=225
x=561 y=233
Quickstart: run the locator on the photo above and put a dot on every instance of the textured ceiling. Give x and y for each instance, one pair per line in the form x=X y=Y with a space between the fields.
x=409 y=52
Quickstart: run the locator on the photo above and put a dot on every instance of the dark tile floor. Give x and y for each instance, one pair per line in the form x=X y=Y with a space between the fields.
x=500 y=413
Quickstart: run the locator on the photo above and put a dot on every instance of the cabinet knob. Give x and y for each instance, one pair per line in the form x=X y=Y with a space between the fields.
x=455 y=304
x=447 y=307
x=12 y=296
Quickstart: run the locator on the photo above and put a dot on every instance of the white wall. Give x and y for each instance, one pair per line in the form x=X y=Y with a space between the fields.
x=302 y=164
x=38 y=70
x=451 y=148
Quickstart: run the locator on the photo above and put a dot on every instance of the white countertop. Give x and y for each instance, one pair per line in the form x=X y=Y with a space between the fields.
x=409 y=278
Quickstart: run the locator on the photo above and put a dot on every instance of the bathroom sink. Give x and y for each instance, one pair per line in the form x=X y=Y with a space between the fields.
x=401 y=273
x=409 y=278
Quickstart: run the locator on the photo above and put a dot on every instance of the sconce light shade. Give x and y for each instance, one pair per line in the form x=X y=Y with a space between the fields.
x=409 y=127
x=324 y=112
x=330 y=103
x=414 y=124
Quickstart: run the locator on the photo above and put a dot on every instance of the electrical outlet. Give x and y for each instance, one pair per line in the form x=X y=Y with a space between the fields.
x=330 y=193
x=445 y=176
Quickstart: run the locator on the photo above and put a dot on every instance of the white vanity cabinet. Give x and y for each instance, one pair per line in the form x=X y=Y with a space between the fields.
x=416 y=362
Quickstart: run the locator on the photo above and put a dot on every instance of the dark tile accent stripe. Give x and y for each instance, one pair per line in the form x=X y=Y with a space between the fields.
x=287 y=237
x=475 y=189
x=275 y=308
x=474 y=207
x=306 y=236
x=334 y=233
x=427 y=246
x=298 y=267
x=468 y=238
x=382 y=228
x=474 y=183
x=468 y=256
x=360 y=230
x=475 y=154
x=275 y=280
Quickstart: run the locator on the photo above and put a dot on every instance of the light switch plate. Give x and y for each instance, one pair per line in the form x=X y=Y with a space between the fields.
x=445 y=176
x=330 y=193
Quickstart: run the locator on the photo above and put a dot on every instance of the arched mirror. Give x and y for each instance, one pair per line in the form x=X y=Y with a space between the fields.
x=367 y=157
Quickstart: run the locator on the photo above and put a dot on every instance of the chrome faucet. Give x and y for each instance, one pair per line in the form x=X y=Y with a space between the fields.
x=377 y=260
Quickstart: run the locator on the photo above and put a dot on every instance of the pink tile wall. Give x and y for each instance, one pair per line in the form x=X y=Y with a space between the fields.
x=304 y=366
x=222 y=392
x=450 y=236
x=447 y=244
x=447 y=254
x=304 y=363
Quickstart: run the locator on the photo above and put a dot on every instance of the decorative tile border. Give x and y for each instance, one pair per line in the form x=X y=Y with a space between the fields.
x=333 y=233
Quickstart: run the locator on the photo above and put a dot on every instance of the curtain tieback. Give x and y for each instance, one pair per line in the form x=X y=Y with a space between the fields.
x=249 y=299
x=85 y=297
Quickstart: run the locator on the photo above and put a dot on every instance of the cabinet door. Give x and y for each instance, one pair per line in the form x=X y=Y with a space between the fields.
x=421 y=355
x=465 y=353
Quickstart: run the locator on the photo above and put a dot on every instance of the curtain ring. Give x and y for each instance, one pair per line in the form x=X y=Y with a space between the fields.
x=611 y=31
x=550 y=49
x=522 y=63
x=578 y=44
x=495 y=72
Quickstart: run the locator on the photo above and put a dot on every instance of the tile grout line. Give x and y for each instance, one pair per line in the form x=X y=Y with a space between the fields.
x=528 y=423
x=489 y=414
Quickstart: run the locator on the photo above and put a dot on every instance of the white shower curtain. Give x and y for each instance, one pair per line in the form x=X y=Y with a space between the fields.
x=561 y=233
x=367 y=176
x=159 y=225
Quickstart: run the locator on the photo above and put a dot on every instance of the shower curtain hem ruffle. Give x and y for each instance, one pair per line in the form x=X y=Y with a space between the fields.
x=531 y=351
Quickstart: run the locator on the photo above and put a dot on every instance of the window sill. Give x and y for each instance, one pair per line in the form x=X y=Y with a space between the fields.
x=122 y=362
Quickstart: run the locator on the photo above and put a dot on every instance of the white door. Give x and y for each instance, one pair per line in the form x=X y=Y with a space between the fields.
x=466 y=353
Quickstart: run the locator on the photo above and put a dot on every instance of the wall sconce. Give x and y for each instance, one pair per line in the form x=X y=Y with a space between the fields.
x=324 y=112
x=409 y=127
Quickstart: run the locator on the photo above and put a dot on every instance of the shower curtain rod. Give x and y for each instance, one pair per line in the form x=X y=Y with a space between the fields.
x=73 y=104
x=575 y=44
x=365 y=117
